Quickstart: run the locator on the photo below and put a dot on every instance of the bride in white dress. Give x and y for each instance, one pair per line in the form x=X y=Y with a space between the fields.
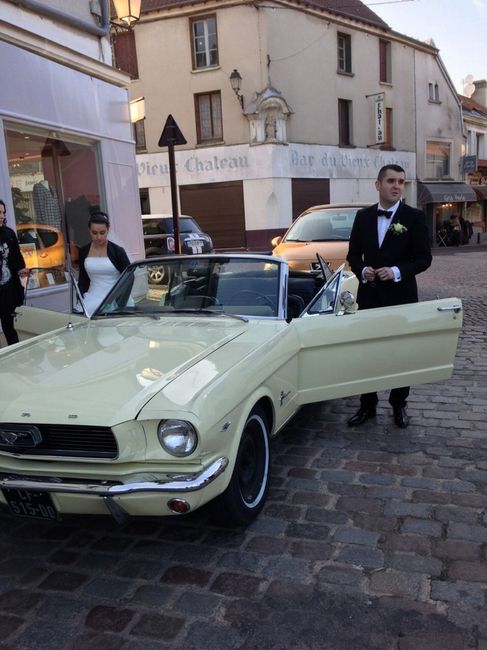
x=100 y=263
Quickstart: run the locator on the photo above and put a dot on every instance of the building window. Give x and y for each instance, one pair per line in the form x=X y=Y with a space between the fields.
x=204 y=42
x=344 y=123
x=208 y=109
x=480 y=150
x=437 y=159
x=344 y=47
x=139 y=136
x=433 y=92
x=125 y=53
x=385 y=74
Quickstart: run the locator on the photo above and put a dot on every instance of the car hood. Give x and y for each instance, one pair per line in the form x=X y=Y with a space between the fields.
x=103 y=373
x=301 y=254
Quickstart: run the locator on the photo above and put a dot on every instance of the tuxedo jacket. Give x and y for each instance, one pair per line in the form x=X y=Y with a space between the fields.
x=409 y=251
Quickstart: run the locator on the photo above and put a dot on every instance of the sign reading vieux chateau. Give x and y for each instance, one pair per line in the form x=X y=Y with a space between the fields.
x=243 y=162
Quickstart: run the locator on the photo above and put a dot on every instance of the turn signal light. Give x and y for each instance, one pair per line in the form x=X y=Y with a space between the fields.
x=179 y=506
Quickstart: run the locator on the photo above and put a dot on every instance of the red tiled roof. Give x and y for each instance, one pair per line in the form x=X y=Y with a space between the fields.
x=471 y=105
x=348 y=8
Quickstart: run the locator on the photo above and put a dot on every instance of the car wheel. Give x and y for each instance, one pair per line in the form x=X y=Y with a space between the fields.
x=157 y=273
x=246 y=493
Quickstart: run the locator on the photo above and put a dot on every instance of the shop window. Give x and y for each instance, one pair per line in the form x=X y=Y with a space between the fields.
x=385 y=74
x=344 y=123
x=204 y=42
x=209 y=127
x=344 y=47
x=437 y=159
x=54 y=186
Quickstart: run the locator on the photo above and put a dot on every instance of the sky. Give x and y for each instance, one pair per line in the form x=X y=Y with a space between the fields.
x=458 y=28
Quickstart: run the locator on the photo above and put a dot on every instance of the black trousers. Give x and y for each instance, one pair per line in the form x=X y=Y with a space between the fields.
x=397 y=398
x=8 y=302
x=7 y=322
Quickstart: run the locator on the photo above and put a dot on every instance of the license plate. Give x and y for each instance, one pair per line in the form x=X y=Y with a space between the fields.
x=25 y=503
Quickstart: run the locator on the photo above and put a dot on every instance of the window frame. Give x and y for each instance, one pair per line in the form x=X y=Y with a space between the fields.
x=199 y=137
x=385 y=61
x=345 y=125
x=344 y=53
x=139 y=135
x=436 y=161
x=207 y=51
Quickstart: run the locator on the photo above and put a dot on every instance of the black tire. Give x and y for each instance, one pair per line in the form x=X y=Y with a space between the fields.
x=246 y=493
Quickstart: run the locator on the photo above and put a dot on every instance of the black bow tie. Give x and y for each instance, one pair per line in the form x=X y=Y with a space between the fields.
x=384 y=213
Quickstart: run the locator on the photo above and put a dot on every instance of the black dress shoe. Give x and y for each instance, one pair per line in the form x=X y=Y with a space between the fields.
x=361 y=415
x=401 y=418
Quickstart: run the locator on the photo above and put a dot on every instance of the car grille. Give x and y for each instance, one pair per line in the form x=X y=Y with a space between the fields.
x=70 y=441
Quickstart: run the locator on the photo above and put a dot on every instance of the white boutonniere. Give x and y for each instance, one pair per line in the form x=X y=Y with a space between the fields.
x=397 y=228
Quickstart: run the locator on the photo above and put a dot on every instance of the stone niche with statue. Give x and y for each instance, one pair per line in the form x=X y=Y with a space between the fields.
x=267 y=115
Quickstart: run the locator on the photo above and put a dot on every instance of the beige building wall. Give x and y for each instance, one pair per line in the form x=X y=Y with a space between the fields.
x=293 y=50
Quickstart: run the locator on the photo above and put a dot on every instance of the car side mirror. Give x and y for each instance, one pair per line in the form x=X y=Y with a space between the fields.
x=276 y=241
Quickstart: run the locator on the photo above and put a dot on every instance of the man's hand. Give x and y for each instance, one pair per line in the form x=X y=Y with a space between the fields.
x=385 y=273
x=369 y=274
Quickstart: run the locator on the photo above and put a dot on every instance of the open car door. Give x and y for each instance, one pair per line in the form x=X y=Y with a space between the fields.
x=346 y=352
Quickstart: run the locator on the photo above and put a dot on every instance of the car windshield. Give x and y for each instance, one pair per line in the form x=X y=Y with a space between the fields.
x=164 y=225
x=322 y=225
x=197 y=284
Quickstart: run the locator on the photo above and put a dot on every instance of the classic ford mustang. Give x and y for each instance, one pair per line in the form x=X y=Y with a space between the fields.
x=166 y=398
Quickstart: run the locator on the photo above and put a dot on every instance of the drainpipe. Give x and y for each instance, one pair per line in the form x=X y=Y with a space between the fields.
x=56 y=14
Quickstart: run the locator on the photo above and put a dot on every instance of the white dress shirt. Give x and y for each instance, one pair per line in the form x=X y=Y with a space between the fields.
x=383 y=225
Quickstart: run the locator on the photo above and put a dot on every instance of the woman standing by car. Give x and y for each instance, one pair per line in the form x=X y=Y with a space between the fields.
x=100 y=263
x=11 y=290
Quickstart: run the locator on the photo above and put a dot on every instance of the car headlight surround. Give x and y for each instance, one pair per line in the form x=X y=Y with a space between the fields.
x=177 y=437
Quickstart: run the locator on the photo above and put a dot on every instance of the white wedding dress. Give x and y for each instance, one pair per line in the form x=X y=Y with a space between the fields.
x=103 y=276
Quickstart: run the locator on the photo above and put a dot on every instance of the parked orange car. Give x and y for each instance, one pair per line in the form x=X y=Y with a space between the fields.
x=323 y=229
x=42 y=246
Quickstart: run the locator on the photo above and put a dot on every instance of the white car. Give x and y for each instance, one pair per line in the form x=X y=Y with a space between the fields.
x=166 y=398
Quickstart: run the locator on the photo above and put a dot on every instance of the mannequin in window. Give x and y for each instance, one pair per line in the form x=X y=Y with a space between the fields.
x=46 y=204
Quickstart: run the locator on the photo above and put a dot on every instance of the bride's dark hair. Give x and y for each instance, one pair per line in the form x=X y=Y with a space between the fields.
x=99 y=217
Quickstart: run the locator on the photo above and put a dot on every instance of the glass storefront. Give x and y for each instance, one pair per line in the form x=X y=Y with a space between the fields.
x=54 y=181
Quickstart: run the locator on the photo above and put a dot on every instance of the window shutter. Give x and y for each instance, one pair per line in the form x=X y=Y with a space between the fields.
x=125 y=53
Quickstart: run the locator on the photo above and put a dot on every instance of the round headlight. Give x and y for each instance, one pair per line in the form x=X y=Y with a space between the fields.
x=177 y=437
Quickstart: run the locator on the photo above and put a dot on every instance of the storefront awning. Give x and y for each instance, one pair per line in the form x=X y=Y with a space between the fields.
x=445 y=193
x=480 y=191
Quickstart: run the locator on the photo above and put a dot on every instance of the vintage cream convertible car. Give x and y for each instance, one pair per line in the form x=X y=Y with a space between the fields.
x=167 y=397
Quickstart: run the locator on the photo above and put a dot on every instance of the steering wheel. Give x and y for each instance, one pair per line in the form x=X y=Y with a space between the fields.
x=261 y=298
x=208 y=300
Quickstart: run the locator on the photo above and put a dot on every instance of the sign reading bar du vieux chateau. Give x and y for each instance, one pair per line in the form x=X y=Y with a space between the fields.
x=243 y=162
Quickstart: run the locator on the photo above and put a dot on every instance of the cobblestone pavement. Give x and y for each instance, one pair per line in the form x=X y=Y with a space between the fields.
x=372 y=538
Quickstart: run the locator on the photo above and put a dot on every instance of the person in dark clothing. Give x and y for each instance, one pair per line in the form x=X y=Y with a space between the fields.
x=389 y=246
x=11 y=289
x=100 y=262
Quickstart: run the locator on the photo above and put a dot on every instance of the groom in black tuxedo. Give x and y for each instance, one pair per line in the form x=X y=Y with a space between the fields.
x=389 y=245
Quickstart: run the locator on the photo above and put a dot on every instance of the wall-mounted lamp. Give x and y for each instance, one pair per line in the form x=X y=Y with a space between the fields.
x=137 y=109
x=128 y=13
x=236 y=82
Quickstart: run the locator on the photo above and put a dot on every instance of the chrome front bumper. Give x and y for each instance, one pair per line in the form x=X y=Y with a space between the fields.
x=180 y=484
